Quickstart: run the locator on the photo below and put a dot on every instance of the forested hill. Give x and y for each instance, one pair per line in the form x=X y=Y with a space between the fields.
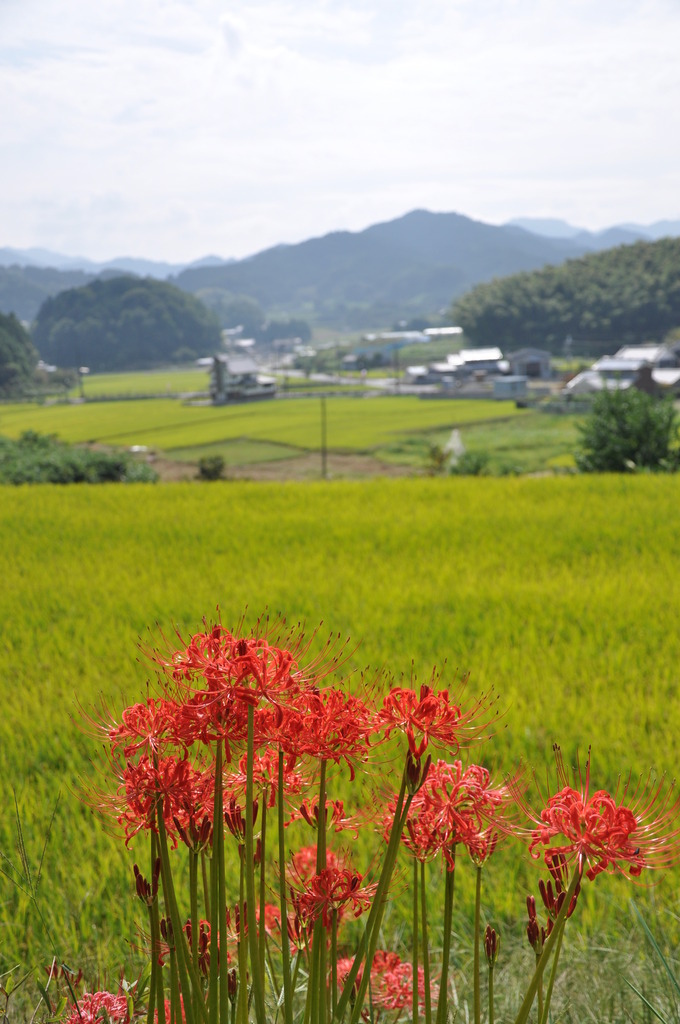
x=124 y=323
x=410 y=266
x=630 y=294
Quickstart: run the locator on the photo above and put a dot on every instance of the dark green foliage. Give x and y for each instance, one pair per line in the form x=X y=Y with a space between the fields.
x=629 y=294
x=17 y=357
x=211 y=467
x=124 y=323
x=628 y=430
x=38 y=459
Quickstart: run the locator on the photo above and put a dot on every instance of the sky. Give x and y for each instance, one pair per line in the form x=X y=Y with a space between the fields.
x=172 y=129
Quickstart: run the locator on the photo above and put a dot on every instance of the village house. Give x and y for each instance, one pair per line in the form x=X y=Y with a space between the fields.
x=236 y=378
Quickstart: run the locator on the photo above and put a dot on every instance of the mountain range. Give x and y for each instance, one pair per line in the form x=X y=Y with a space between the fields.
x=412 y=266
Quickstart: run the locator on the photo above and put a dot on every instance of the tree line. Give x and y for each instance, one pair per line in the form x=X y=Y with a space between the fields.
x=125 y=323
x=626 y=295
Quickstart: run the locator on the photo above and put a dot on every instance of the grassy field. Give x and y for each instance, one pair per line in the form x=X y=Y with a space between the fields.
x=353 y=424
x=562 y=593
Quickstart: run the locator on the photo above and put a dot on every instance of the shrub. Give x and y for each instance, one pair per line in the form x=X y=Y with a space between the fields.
x=628 y=430
x=37 y=459
x=211 y=467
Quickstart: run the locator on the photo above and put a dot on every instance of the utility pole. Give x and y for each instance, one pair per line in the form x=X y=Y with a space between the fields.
x=324 y=439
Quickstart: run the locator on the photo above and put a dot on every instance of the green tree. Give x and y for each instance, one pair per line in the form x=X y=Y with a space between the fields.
x=17 y=357
x=629 y=430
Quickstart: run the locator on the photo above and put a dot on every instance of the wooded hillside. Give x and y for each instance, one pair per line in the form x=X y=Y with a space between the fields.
x=629 y=294
x=17 y=357
x=124 y=323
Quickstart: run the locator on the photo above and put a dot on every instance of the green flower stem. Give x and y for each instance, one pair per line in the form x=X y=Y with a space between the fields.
x=477 y=1001
x=213 y=903
x=257 y=981
x=550 y=942
x=539 y=990
x=263 y=889
x=175 y=999
x=185 y=967
x=379 y=904
x=206 y=885
x=334 y=961
x=449 y=886
x=414 y=1010
x=318 y=978
x=426 y=947
x=285 y=945
x=242 y=954
x=376 y=911
x=543 y=1018
x=491 y=1013
x=156 y=994
x=193 y=898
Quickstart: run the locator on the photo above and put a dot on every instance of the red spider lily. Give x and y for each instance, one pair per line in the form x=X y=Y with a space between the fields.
x=94 y=1007
x=303 y=864
x=492 y=945
x=266 y=776
x=145 y=728
x=391 y=981
x=272 y=918
x=142 y=784
x=638 y=826
x=235 y=821
x=330 y=892
x=329 y=725
x=430 y=715
x=454 y=805
x=147 y=891
x=335 y=816
x=536 y=933
x=203 y=945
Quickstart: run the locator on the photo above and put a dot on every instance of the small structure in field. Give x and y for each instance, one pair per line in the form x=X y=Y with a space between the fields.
x=236 y=379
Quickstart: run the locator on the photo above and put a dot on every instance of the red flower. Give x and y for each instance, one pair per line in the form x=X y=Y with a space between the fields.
x=335 y=816
x=454 y=805
x=430 y=715
x=304 y=862
x=327 y=724
x=391 y=981
x=332 y=890
x=266 y=776
x=182 y=786
x=94 y=1007
x=637 y=827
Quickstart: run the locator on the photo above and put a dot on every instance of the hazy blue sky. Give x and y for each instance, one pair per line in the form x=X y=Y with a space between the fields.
x=175 y=128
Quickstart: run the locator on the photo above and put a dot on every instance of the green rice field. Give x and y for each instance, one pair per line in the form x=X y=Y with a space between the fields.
x=559 y=592
x=353 y=424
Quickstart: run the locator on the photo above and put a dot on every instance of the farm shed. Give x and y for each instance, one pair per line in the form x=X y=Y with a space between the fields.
x=510 y=387
x=530 y=362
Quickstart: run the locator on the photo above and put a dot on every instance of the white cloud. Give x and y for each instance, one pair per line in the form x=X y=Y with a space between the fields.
x=172 y=128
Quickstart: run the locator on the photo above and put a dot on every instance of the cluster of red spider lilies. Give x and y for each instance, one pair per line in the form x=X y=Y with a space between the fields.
x=240 y=731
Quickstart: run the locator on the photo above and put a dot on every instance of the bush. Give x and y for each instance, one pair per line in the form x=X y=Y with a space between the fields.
x=39 y=459
x=471 y=464
x=210 y=467
x=626 y=431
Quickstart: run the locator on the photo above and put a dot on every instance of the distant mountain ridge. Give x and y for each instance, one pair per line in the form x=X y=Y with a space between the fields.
x=405 y=267
x=413 y=265
x=47 y=259
x=619 y=234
